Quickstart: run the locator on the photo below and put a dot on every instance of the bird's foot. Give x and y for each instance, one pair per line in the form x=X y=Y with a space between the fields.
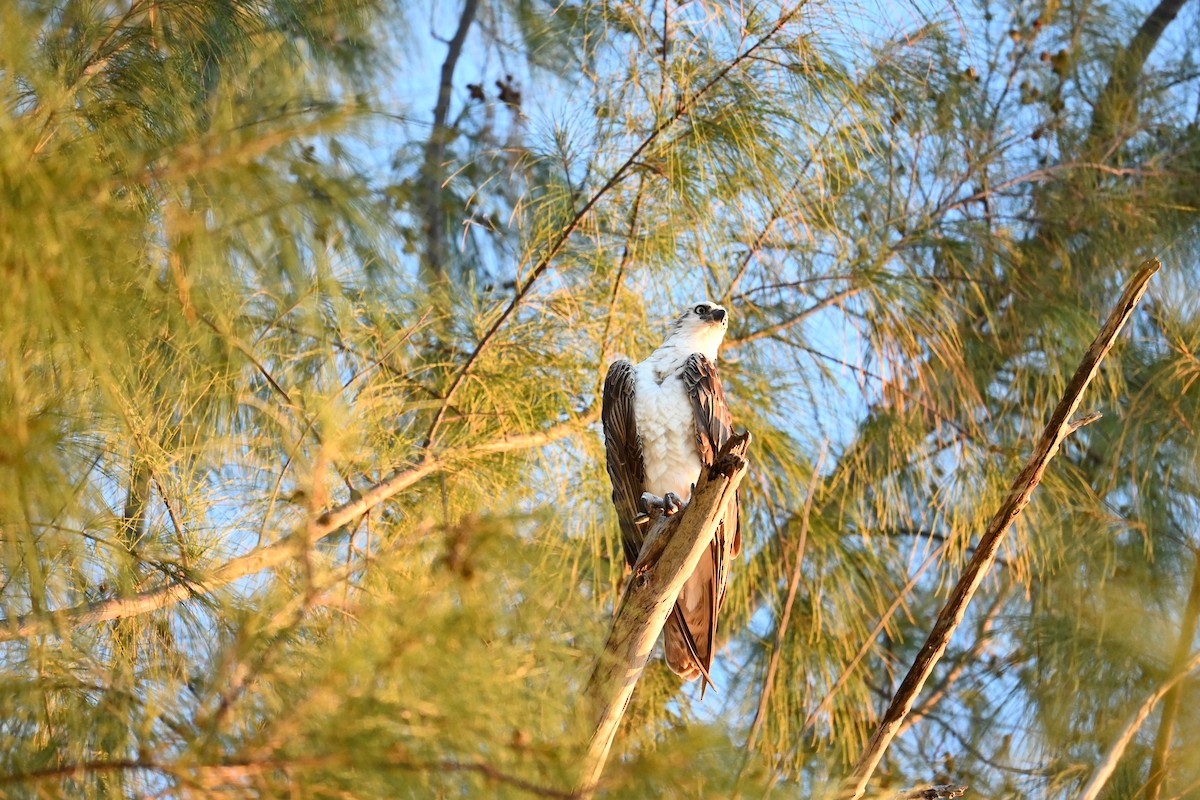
x=657 y=509
x=654 y=506
x=651 y=503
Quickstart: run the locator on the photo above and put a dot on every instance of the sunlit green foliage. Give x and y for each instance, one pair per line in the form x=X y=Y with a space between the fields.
x=220 y=324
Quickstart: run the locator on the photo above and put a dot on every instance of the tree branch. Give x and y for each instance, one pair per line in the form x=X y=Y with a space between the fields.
x=1114 y=101
x=673 y=548
x=432 y=170
x=960 y=665
x=626 y=257
x=241 y=767
x=1108 y=764
x=1022 y=488
x=777 y=214
x=1162 y=740
x=783 y=325
x=274 y=554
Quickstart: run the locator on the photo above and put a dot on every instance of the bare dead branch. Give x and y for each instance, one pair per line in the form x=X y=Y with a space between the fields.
x=960 y=665
x=649 y=597
x=1057 y=428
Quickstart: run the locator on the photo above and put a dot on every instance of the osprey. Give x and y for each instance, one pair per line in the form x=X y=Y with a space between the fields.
x=664 y=419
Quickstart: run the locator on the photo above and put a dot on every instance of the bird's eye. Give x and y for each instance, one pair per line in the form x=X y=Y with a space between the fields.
x=700 y=309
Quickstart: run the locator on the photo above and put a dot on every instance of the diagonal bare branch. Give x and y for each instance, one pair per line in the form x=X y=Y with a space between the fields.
x=1057 y=428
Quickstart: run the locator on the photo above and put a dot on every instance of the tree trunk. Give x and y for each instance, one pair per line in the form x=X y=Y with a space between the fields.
x=433 y=171
x=1119 y=96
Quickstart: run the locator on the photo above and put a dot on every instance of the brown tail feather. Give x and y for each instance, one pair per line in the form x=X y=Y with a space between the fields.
x=681 y=651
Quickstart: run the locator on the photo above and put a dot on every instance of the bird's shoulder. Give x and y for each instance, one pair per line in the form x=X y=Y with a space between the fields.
x=673 y=362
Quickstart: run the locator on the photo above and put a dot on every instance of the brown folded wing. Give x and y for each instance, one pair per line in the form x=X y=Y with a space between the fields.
x=714 y=426
x=627 y=472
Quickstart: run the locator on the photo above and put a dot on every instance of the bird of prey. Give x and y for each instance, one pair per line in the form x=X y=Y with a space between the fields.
x=664 y=419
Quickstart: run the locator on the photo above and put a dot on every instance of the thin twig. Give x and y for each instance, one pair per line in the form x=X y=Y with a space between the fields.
x=1018 y=497
x=176 y=525
x=626 y=256
x=777 y=215
x=783 y=325
x=235 y=675
x=865 y=648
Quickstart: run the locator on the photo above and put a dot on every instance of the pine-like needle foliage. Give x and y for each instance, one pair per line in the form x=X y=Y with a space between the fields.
x=301 y=483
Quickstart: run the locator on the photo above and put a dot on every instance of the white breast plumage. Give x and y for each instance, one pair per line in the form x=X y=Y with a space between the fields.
x=667 y=428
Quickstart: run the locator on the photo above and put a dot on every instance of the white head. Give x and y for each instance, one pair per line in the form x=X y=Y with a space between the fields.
x=700 y=329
